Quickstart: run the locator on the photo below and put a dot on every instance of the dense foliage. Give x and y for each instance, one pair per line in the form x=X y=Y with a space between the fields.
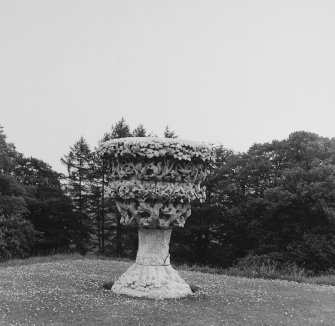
x=276 y=202
x=35 y=214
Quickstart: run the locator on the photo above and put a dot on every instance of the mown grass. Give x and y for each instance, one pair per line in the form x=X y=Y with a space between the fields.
x=63 y=291
x=40 y=259
x=270 y=271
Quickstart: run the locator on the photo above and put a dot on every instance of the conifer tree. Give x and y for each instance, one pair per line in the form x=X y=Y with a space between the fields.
x=78 y=162
x=169 y=133
x=99 y=204
x=140 y=131
x=119 y=130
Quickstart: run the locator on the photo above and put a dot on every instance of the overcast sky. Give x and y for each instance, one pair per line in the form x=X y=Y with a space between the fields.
x=237 y=72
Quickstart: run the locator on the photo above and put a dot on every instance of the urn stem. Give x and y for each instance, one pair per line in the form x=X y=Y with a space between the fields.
x=153 y=247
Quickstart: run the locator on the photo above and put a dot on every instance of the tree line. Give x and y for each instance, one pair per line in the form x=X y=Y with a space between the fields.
x=43 y=211
x=275 y=202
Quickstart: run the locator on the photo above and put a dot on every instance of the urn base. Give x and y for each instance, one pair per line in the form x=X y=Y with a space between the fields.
x=156 y=282
x=152 y=275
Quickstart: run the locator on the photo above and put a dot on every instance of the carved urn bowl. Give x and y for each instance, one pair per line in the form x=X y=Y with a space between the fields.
x=154 y=181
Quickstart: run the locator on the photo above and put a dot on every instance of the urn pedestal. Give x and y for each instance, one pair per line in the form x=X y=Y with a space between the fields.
x=152 y=276
x=153 y=182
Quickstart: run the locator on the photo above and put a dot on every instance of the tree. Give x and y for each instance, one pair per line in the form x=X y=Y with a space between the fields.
x=78 y=162
x=119 y=130
x=140 y=131
x=8 y=154
x=100 y=206
x=282 y=194
x=78 y=165
x=50 y=210
x=169 y=133
x=12 y=192
x=17 y=235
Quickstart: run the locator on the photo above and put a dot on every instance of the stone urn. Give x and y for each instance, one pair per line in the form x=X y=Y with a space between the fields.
x=153 y=181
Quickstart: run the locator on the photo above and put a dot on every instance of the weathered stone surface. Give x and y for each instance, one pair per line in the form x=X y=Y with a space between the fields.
x=153 y=247
x=158 y=169
x=152 y=275
x=154 y=181
x=156 y=282
x=153 y=214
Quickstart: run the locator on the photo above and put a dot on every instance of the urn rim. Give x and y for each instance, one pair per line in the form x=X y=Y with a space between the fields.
x=152 y=147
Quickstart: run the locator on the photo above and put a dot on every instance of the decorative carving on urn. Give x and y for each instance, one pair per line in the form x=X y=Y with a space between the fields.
x=159 y=169
x=154 y=181
x=153 y=214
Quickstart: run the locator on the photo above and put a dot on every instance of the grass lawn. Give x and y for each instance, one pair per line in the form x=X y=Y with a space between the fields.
x=70 y=292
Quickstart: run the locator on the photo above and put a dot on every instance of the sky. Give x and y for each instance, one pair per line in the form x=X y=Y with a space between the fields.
x=235 y=72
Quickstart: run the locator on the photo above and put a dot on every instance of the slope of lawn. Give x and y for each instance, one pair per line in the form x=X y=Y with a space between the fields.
x=70 y=292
